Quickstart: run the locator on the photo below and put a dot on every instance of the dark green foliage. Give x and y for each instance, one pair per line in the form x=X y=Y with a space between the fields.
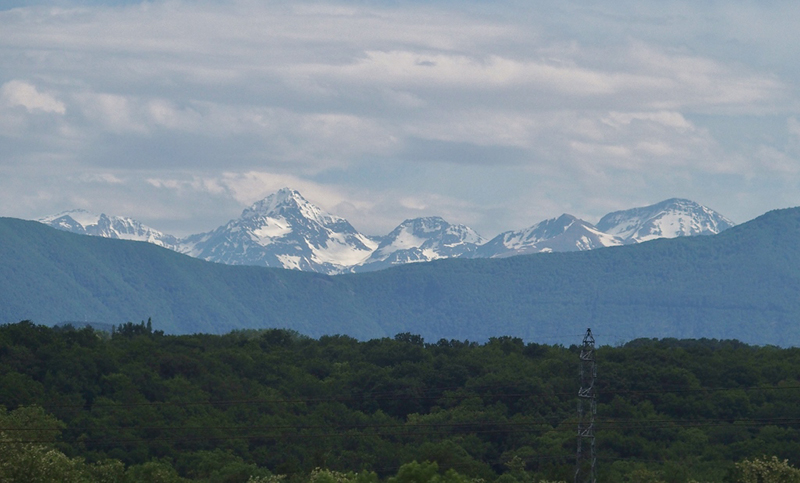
x=740 y=284
x=256 y=403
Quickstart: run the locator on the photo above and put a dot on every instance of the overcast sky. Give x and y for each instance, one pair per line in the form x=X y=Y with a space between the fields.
x=493 y=114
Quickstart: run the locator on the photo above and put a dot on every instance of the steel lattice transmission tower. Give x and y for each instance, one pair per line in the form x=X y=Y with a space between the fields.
x=585 y=471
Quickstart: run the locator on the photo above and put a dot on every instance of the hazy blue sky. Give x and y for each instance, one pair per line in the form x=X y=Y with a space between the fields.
x=492 y=114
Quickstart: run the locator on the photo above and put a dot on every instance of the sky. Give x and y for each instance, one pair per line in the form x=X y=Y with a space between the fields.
x=493 y=114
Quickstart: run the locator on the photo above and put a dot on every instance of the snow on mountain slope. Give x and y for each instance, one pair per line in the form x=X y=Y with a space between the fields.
x=563 y=234
x=669 y=219
x=86 y=223
x=422 y=240
x=284 y=230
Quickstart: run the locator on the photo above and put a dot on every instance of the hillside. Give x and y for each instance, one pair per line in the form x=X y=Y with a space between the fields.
x=742 y=284
x=53 y=276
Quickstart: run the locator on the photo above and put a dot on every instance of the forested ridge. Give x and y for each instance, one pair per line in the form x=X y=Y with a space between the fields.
x=253 y=405
x=742 y=284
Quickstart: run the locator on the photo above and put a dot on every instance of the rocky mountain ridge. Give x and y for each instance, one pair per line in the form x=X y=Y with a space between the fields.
x=740 y=284
x=86 y=223
x=285 y=230
x=422 y=240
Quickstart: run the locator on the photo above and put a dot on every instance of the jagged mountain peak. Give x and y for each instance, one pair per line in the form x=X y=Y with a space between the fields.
x=544 y=230
x=437 y=228
x=284 y=230
x=667 y=219
x=82 y=217
x=420 y=240
x=425 y=222
x=87 y=223
x=283 y=198
x=287 y=200
x=436 y=225
x=561 y=234
x=553 y=226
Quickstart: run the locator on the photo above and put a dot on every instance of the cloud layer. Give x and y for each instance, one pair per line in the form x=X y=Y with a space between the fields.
x=494 y=115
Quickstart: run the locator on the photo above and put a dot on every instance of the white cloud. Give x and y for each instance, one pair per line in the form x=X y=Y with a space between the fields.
x=106 y=178
x=670 y=119
x=20 y=93
x=370 y=210
x=793 y=126
x=165 y=114
x=248 y=187
x=111 y=112
x=701 y=83
x=244 y=187
x=189 y=184
x=361 y=105
x=776 y=161
x=407 y=68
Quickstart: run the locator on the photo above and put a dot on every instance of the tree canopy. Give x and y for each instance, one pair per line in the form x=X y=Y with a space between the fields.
x=259 y=404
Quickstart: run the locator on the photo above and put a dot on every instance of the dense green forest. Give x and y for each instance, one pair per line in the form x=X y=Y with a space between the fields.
x=742 y=284
x=273 y=405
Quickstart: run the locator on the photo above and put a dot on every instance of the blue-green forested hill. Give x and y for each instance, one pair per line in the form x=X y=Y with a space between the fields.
x=743 y=284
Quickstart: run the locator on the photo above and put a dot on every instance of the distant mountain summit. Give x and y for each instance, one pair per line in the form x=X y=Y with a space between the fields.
x=563 y=234
x=741 y=284
x=422 y=240
x=287 y=231
x=669 y=219
x=283 y=230
x=86 y=223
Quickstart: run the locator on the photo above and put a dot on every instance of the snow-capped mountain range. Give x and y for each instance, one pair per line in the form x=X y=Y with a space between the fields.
x=668 y=219
x=284 y=230
x=422 y=240
x=563 y=234
x=86 y=223
x=287 y=231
